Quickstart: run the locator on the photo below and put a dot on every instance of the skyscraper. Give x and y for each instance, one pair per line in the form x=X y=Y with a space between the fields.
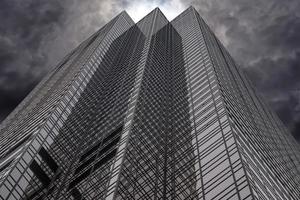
x=152 y=110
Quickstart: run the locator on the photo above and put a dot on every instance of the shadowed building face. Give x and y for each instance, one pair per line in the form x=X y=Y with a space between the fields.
x=152 y=110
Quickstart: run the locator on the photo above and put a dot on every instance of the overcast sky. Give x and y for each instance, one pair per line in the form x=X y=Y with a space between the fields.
x=262 y=36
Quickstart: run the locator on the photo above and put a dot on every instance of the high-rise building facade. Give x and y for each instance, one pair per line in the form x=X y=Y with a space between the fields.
x=152 y=110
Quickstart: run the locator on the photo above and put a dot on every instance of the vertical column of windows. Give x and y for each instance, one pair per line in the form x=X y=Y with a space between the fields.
x=117 y=167
x=214 y=134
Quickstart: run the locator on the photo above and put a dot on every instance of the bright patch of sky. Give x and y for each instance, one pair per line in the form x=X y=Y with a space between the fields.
x=137 y=9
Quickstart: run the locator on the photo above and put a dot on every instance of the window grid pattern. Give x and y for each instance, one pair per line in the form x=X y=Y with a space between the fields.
x=221 y=173
x=152 y=110
x=152 y=168
x=261 y=132
x=148 y=26
x=63 y=146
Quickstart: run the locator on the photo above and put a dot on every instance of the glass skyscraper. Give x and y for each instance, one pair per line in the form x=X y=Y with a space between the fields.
x=152 y=110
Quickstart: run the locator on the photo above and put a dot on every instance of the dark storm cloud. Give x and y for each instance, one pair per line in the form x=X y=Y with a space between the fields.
x=23 y=27
x=263 y=37
x=35 y=35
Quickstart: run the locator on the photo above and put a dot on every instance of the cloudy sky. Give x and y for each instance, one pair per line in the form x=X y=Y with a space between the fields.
x=262 y=36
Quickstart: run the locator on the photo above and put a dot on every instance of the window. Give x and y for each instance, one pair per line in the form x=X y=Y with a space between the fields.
x=40 y=174
x=48 y=159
